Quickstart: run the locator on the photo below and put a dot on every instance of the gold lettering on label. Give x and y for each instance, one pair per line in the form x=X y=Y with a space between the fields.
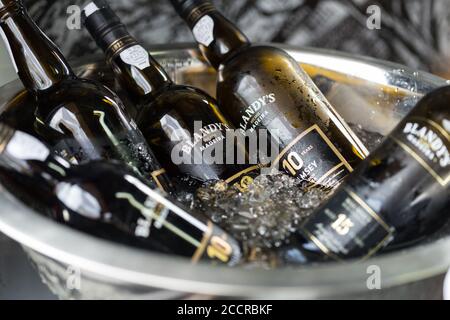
x=219 y=249
x=293 y=163
x=244 y=183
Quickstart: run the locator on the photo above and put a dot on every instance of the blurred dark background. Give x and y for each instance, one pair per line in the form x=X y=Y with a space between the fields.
x=413 y=32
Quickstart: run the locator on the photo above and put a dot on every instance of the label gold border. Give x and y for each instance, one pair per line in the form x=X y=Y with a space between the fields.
x=155 y=175
x=237 y=175
x=118 y=45
x=321 y=246
x=434 y=124
x=378 y=247
x=335 y=150
x=442 y=181
x=201 y=249
x=371 y=212
x=327 y=141
x=329 y=173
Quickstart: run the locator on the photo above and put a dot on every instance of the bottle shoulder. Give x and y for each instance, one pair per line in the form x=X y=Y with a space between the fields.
x=91 y=190
x=75 y=86
x=102 y=176
x=254 y=55
x=183 y=100
x=260 y=66
x=178 y=92
x=434 y=104
x=76 y=95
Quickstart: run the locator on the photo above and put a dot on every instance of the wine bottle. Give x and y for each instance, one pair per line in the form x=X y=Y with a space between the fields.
x=106 y=199
x=399 y=195
x=173 y=118
x=82 y=120
x=263 y=87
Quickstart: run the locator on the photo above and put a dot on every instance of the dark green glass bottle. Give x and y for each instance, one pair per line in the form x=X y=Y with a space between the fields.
x=83 y=120
x=262 y=87
x=399 y=195
x=106 y=199
x=181 y=123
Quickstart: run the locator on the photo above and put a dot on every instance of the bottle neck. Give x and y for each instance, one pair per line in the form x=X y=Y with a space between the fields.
x=137 y=70
x=142 y=76
x=38 y=62
x=219 y=39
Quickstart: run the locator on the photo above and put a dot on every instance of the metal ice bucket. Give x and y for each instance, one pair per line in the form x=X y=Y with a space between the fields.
x=374 y=94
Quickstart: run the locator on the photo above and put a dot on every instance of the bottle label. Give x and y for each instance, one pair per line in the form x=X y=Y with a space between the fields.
x=256 y=113
x=206 y=137
x=347 y=227
x=214 y=246
x=312 y=157
x=161 y=216
x=8 y=48
x=428 y=143
x=204 y=31
x=156 y=177
x=195 y=148
x=203 y=153
x=136 y=56
x=309 y=156
x=243 y=179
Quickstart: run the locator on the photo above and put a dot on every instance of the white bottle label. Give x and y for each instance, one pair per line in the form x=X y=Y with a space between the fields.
x=204 y=31
x=8 y=48
x=136 y=56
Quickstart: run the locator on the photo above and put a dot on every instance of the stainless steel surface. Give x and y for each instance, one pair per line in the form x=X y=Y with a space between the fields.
x=381 y=92
x=18 y=280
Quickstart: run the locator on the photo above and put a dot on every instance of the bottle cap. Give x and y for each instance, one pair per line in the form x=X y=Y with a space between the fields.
x=103 y=24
